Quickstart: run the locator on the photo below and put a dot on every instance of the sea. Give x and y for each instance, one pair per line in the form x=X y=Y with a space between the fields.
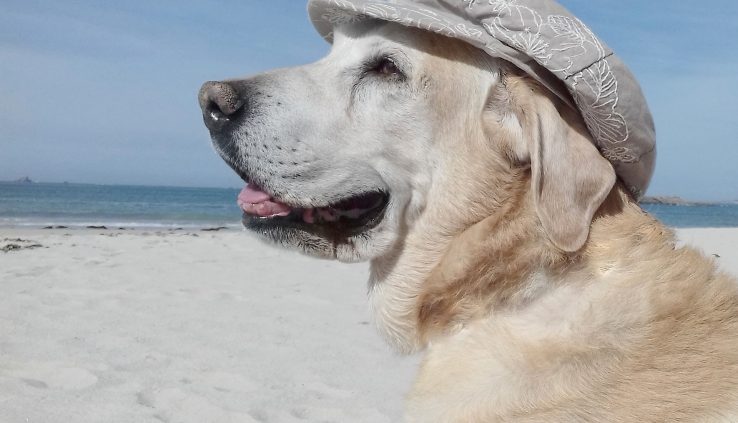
x=121 y=206
x=117 y=206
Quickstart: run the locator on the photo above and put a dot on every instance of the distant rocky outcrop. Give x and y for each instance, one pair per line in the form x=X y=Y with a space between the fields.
x=667 y=200
x=24 y=180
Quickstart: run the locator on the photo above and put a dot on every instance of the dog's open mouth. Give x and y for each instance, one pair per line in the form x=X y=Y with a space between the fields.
x=347 y=217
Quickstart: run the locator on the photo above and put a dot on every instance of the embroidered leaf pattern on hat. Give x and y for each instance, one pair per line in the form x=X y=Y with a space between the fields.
x=598 y=103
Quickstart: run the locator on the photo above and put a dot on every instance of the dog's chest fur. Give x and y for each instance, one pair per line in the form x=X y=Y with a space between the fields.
x=631 y=329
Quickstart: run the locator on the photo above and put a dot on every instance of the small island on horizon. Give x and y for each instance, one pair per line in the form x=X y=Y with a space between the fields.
x=23 y=180
x=672 y=200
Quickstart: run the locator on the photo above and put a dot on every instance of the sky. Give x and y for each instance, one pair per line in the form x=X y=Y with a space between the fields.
x=105 y=92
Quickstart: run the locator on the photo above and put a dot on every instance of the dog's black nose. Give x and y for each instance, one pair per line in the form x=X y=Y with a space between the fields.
x=220 y=103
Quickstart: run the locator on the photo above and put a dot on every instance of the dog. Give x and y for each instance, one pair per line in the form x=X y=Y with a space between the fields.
x=501 y=243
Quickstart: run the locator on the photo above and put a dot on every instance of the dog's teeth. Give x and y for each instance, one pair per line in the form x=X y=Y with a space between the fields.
x=328 y=214
x=308 y=216
x=353 y=213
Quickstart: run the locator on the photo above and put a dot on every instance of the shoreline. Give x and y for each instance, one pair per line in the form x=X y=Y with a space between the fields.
x=122 y=226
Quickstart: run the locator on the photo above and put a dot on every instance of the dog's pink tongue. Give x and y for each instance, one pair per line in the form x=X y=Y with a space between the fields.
x=253 y=200
x=251 y=193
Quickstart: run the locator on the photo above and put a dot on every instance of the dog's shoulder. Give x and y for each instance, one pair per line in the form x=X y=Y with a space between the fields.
x=635 y=327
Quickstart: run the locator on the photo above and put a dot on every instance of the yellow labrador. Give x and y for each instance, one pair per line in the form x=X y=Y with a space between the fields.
x=500 y=241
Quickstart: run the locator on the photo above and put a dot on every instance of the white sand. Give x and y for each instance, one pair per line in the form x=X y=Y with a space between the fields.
x=110 y=326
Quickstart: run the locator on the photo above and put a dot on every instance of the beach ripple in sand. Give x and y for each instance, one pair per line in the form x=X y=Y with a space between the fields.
x=52 y=376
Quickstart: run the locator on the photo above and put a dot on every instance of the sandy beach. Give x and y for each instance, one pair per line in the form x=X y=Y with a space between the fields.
x=194 y=326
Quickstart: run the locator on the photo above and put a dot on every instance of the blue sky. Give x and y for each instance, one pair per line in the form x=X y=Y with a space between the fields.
x=105 y=92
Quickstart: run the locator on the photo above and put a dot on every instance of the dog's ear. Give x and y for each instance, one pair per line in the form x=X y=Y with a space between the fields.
x=569 y=177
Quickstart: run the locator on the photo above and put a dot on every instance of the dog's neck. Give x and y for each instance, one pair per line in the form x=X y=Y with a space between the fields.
x=436 y=284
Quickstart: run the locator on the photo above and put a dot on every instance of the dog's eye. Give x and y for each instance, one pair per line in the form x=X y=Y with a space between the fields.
x=385 y=67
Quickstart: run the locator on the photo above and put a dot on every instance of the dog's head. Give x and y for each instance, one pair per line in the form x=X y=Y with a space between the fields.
x=399 y=131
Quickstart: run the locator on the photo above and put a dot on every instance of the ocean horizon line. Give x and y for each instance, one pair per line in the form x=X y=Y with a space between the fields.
x=34 y=182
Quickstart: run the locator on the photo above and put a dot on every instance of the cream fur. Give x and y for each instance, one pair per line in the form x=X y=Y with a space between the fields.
x=629 y=329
